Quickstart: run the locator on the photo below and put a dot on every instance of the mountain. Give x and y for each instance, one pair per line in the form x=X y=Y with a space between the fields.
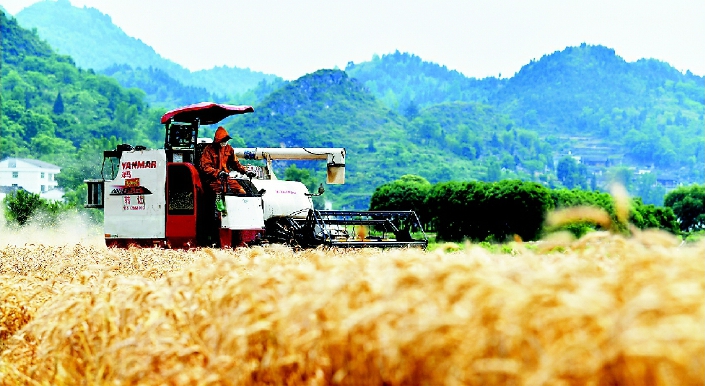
x=646 y=112
x=581 y=102
x=594 y=104
x=561 y=86
x=403 y=79
x=229 y=81
x=162 y=90
x=90 y=37
x=94 y=42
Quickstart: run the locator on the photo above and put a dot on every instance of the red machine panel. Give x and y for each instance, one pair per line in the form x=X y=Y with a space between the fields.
x=183 y=188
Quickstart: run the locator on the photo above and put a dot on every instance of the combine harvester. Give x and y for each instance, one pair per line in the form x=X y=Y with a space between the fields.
x=154 y=197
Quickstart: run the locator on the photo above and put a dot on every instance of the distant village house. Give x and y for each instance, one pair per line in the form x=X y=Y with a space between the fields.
x=668 y=182
x=31 y=175
x=595 y=161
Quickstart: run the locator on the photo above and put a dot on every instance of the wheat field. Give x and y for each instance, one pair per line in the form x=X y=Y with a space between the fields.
x=601 y=310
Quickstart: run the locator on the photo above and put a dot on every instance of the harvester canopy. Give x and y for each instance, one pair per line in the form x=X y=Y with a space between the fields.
x=206 y=113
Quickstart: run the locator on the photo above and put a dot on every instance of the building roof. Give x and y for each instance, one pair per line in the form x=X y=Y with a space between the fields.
x=35 y=162
x=53 y=194
x=10 y=189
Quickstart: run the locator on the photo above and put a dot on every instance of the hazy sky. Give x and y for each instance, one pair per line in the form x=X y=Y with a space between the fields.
x=477 y=38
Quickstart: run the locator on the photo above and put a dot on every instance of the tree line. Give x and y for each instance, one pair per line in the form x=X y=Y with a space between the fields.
x=496 y=211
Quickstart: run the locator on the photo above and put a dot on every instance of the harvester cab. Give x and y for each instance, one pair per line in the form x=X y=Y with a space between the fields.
x=155 y=197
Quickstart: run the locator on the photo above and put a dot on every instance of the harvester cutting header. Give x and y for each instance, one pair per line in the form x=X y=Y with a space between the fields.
x=189 y=195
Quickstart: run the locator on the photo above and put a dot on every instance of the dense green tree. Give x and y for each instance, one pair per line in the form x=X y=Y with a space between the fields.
x=508 y=162
x=688 y=204
x=481 y=211
x=21 y=205
x=58 y=104
x=514 y=207
x=406 y=193
x=453 y=209
x=641 y=215
x=411 y=110
x=425 y=129
x=494 y=170
x=647 y=216
x=51 y=148
x=496 y=211
x=571 y=173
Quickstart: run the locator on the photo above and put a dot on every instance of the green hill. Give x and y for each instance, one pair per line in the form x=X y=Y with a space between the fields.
x=94 y=42
x=90 y=37
x=559 y=88
x=402 y=80
x=646 y=110
x=478 y=132
x=642 y=115
x=161 y=89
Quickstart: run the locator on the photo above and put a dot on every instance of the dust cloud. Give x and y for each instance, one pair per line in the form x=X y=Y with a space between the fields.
x=71 y=228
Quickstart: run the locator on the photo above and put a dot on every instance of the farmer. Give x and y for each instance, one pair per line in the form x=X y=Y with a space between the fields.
x=218 y=160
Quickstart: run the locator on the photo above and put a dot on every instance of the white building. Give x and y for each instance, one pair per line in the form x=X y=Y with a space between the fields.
x=32 y=175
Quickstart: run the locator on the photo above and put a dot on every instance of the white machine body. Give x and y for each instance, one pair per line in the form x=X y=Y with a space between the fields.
x=284 y=198
x=135 y=202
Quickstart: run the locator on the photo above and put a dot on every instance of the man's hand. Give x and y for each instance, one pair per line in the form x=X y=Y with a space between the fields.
x=222 y=175
x=251 y=174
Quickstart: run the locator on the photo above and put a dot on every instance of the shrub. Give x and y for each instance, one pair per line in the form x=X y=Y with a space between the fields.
x=22 y=206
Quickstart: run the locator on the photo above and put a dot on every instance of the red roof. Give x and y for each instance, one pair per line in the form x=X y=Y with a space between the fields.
x=207 y=113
